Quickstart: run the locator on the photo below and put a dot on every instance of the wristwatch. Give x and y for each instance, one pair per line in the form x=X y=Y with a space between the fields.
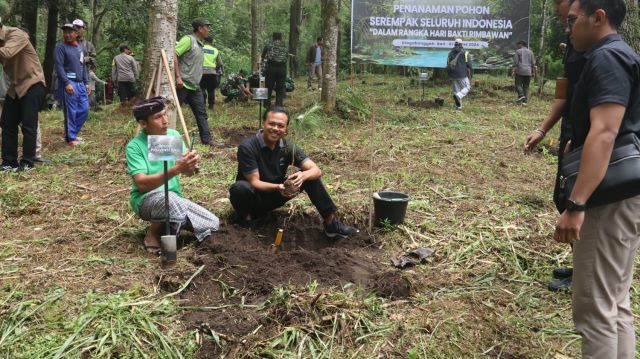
x=573 y=206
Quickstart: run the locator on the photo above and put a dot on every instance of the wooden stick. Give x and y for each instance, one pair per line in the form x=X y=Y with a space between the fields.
x=167 y=69
x=372 y=153
x=159 y=80
x=153 y=79
x=439 y=194
x=351 y=75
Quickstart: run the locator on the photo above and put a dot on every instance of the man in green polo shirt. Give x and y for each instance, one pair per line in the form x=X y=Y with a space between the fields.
x=188 y=64
x=147 y=190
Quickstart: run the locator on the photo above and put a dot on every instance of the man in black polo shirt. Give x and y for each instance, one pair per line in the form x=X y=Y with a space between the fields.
x=605 y=105
x=573 y=63
x=262 y=166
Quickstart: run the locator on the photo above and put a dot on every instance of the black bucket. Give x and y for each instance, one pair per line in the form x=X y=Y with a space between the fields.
x=389 y=207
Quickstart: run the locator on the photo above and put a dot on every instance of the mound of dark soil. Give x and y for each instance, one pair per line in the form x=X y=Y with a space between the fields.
x=235 y=136
x=241 y=270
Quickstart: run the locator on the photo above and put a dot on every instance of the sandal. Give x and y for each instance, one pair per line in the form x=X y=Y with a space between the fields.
x=154 y=250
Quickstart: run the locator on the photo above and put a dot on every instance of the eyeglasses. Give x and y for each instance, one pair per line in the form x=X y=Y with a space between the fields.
x=571 y=20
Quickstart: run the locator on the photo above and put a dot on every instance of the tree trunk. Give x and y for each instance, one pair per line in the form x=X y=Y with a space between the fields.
x=339 y=41
x=254 y=35
x=30 y=19
x=96 y=26
x=541 y=64
x=295 y=18
x=50 y=44
x=630 y=29
x=330 y=36
x=163 y=23
x=97 y=15
x=13 y=8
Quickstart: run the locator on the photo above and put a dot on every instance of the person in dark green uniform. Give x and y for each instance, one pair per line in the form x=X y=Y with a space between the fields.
x=238 y=87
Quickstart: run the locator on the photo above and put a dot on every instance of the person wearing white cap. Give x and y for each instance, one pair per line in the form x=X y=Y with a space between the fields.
x=460 y=70
x=73 y=83
x=88 y=50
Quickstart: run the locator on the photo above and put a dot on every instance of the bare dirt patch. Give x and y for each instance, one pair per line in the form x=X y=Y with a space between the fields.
x=241 y=272
x=234 y=136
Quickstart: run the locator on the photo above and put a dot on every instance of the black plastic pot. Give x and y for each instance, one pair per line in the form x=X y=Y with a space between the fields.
x=389 y=207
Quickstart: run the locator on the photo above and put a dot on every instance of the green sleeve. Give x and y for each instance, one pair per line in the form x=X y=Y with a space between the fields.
x=183 y=45
x=136 y=160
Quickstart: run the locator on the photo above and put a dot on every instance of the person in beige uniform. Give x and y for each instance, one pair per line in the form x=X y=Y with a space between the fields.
x=23 y=98
x=4 y=85
x=125 y=72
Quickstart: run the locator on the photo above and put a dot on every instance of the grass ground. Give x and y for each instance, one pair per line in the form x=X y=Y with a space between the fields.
x=75 y=282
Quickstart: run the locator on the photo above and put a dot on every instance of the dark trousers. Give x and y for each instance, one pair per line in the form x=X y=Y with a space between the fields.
x=522 y=86
x=196 y=102
x=126 y=90
x=209 y=84
x=275 y=80
x=247 y=200
x=21 y=112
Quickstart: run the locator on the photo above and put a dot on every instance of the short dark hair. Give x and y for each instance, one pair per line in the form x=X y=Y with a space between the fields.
x=616 y=9
x=123 y=47
x=275 y=109
x=522 y=42
x=319 y=39
x=277 y=36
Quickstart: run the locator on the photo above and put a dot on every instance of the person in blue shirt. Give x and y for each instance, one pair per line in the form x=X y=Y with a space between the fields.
x=73 y=83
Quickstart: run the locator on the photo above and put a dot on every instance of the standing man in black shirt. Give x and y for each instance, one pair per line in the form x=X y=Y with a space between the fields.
x=262 y=170
x=604 y=106
x=573 y=63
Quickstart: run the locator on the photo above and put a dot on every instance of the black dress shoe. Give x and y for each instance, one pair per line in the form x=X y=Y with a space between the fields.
x=563 y=272
x=563 y=284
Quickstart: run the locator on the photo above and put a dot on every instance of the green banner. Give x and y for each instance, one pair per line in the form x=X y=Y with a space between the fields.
x=422 y=32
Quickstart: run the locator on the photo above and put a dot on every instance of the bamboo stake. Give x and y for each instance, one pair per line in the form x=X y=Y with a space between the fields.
x=351 y=75
x=159 y=80
x=153 y=79
x=373 y=122
x=167 y=69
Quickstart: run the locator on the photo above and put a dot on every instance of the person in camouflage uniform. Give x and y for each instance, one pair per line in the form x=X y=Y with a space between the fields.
x=276 y=54
x=237 y=87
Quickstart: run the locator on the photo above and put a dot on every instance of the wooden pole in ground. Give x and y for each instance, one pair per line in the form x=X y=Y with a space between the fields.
x=167 y=69
x=351 y=75
x=153 y=80
x=156 y=76
x=159 y=81
x=373 y=123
